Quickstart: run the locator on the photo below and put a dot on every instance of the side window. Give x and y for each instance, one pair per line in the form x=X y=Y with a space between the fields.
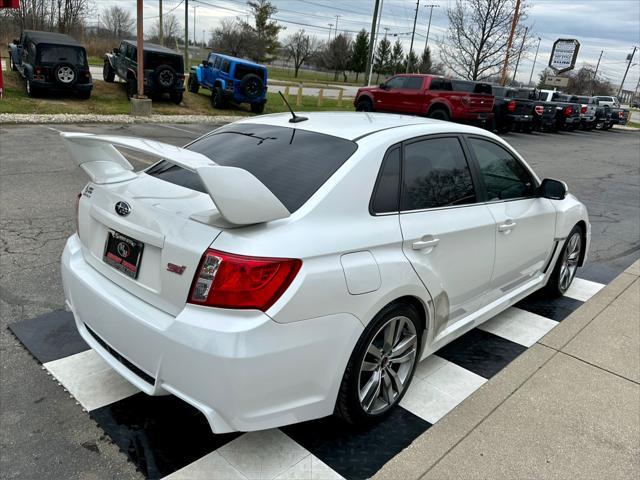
x=504 y=176
x=225 y=66
x=386 y=192
x=217 y=62
x=123 y=48
x=395 y=82
x=413 y=83
x=436 y=84
x=436 y=174
x=212 y=58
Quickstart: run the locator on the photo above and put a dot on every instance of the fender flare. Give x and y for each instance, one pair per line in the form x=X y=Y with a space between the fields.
x=440 y=103
x=109 y=58
x=365 y=95
x=132 y=72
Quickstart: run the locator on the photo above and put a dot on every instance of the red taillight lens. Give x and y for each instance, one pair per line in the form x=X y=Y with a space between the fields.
x=226 y=280
x=583 y=109
x=511 y=106
x=539 y=109
x=38 y=70
x=620 y=114
x=568 y=111
x=78 y=213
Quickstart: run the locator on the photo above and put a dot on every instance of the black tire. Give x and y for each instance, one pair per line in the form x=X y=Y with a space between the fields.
x=257 y=108
x=348 y=405
x=194 y=86
x=13 y=66
x=165 y=77
x=557 y=286
x=131 y=87
x=503 y=128
x=176 y=97
x=84 y=94
x=217 y=98
x=439 y=114
x=32 y=91
x=65 y=74
x=364 y=105
x=108 y=73
x=526 y=128
x=251 y=86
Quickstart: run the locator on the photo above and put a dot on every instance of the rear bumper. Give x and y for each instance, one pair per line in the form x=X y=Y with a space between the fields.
x=520 y=118
x=241 y=369
x=473 y=117
x=76 y=87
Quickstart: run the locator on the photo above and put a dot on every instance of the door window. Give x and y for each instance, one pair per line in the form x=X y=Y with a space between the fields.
x=395 y=82
x=412 y=83
x=387 y=190
x=504 y=176
x=217 y=63
x=436 y=174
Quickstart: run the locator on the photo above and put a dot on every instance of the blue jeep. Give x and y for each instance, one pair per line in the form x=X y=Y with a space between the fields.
x=231 y=79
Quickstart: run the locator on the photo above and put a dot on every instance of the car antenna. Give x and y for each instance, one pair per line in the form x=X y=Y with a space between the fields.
x=294 y=118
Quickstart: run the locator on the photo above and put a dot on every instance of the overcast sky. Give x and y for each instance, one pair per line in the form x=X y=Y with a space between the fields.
x=612 y=26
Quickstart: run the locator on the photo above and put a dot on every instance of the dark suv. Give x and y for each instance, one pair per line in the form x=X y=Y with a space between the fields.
x=51 y=62
x=163 y=69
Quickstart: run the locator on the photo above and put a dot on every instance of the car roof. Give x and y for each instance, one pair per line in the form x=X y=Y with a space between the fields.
x=356 y=125
x=38 y=37
x=236 y=59
x=152 y=47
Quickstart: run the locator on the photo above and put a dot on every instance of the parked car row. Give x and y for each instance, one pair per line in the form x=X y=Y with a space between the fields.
x=493 y=107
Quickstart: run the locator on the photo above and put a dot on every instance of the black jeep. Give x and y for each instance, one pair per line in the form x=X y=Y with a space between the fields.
x=51 y=61
x=163 y=69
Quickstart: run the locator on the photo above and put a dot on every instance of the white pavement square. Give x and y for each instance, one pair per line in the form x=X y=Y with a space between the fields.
x=519 y=326
x=583 y=290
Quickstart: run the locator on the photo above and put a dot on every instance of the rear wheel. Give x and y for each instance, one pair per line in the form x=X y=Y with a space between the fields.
x=194 y=86
x=217 y=98
x=381 y=366
x=439 y=114
x=364 y=105
x=108 y=73
x=30 y=89
x=131 y=88
x=176 y=97
x=84 y=94
x=257 y=108
x=567 y=264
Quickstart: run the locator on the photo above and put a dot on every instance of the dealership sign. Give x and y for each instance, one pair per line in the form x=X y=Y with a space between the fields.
x=564 y=54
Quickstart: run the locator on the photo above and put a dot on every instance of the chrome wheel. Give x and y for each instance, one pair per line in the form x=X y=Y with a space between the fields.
x=387 y=365
x=570 y=260
x=66 y=74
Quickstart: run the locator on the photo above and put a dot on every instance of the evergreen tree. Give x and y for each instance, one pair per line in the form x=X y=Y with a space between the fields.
x=412 y=59
x=425 y=65
x=382 y=58
x=397 y=55
x=360 y=52
x=264 y=34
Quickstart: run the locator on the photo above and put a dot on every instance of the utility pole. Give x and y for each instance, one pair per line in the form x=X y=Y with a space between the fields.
x=160 y=25
x=520 y=53
x=426 y=43
x=140 y=50
x=514 y=24
x=593 y=80
x=337 y=17
x=534 y=60
x=413 y=33
x=372 y=41
x=630 y=57
x=330 y=27
x=186 y=35
x=204 y=45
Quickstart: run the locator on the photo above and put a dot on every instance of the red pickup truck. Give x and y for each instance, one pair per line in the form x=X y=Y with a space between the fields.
x=429 y=95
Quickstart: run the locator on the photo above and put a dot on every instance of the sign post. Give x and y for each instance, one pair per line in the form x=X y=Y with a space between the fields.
x=564 y=54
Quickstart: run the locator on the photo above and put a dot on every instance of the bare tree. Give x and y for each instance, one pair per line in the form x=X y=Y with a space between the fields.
x=478 y=35
x=70 y=14
x=300 y=47
x=337 y=55
x=117 y=21
x=231 y=38
x=171 y=29
x=65 y=16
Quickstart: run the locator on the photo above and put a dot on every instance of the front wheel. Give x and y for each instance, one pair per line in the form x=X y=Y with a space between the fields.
x=567 y=264
x=131 y=88
x=364 y=105
x=217 y=98
x=108 y=73
x=381 y=366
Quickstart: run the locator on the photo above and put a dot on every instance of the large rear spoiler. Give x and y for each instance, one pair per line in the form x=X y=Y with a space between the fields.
x=239 y=197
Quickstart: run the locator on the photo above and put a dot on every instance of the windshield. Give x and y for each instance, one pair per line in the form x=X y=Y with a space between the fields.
x=62 y=53
x=291 y=163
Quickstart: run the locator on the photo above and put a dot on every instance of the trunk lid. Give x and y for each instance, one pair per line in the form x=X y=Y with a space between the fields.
x=173 y=244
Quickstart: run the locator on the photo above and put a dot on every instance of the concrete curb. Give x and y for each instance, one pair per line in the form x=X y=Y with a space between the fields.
x=62 y=118
x=432 y=446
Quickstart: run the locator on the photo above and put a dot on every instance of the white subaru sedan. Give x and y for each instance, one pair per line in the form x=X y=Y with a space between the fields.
x=278 y=270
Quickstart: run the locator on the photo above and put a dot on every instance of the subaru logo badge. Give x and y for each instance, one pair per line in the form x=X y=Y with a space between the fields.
x=123 y=209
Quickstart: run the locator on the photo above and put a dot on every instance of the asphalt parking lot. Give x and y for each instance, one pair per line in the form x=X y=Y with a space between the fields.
x=44 y=433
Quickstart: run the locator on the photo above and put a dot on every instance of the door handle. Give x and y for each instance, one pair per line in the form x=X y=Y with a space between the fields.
x=420 y=244
x=507 y=226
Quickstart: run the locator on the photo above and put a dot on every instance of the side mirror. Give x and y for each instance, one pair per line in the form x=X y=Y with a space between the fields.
x=553 y=189
x=383 y=86
x=115 y=50
x=205 y=62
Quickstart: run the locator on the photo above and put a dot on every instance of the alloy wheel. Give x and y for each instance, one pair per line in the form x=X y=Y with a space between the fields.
x=66 y=74
x=387 y=365
x=570 y=261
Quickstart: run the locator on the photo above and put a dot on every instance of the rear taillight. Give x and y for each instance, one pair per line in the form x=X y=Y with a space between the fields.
x=78 y=213
x=511 y=106
x=539 y=109
x=620 y=114
x=568 y=111
x=583 y=109
x=38 y=70
x=227 y=280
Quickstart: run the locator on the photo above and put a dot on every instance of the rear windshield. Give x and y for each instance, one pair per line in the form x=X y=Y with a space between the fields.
x=153 y=60
x=292 y=163
x=242 y=70
x=61 y=53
